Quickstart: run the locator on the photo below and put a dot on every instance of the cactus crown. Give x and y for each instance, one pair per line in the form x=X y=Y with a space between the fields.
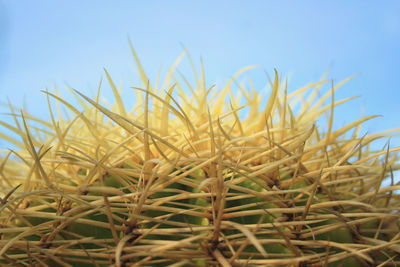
x=184 y=179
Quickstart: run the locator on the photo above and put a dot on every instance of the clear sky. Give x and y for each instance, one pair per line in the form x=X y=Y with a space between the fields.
x=46 y=43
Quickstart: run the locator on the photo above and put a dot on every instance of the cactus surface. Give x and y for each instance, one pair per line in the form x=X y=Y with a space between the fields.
x=195 y=176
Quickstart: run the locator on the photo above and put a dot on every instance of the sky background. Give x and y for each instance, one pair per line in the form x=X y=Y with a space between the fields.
x=47 y=43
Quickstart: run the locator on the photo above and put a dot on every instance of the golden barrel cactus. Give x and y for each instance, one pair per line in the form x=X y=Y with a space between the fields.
x=186 y=178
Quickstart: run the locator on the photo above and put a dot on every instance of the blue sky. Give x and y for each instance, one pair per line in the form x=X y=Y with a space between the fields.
x=47 y=43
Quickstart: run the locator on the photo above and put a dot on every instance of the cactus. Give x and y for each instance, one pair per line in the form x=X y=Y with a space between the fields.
x=187 y=179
